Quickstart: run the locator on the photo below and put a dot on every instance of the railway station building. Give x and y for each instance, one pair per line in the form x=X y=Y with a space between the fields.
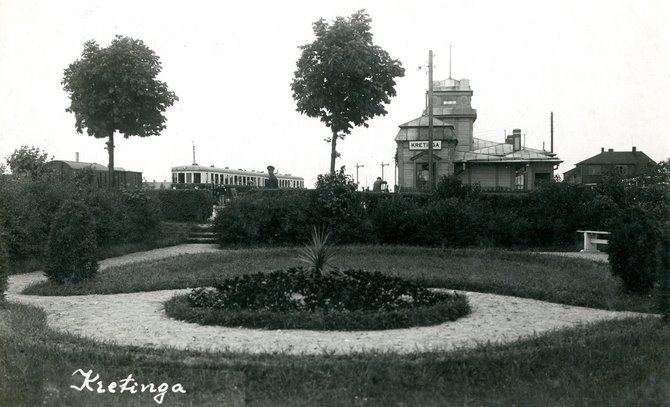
x=492 y=165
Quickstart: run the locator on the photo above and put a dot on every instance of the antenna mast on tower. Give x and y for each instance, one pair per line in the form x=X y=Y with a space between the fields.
x=193 y=143
x=449 y=61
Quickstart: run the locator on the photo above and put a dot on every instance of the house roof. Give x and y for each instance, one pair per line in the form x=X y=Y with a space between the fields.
x=417 y=129
x=489 y=151
x=423 y=122
x=619 y=157
x=78 y=165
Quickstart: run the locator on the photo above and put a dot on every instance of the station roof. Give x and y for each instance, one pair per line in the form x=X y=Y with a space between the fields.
x=489 y=151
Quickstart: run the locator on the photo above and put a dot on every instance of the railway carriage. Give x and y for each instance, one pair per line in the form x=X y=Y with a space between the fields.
x=213 y=177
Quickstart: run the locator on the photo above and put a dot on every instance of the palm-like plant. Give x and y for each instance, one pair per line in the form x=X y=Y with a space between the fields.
x=318 y=253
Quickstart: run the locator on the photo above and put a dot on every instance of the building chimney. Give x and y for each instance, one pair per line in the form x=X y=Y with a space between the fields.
x=634 y=149
x=516 y=137
x=77 y=156
x=602 y=149
x=610 y=150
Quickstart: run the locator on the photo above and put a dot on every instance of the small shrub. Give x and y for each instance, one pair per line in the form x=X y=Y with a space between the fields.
x=341 y=208
x=318 y=253
x=633 y=249
x=72 y=245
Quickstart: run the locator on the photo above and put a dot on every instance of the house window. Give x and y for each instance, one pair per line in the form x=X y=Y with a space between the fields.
x=196 y=178
x=621 y=169
x=520 y=181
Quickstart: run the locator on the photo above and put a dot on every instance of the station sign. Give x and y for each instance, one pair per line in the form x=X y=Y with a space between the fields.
x=423 y=145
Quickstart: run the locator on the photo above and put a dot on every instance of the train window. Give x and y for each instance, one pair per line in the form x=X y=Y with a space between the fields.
x=189 y=178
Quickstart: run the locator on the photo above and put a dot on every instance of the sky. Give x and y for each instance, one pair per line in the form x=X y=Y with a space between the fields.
x=602 y=67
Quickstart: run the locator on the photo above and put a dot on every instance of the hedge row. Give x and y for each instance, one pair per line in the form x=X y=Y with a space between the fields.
x=184 y=205
x=544 y=218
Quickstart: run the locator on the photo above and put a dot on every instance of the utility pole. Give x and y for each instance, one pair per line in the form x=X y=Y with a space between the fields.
x=551 y=148
x=430 y=120
x=357 y=167
x=383 y=165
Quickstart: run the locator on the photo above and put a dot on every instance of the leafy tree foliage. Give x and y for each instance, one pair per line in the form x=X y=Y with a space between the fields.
x=72 y=244
x=28 y=161
x=343 y=78
x=115 y=89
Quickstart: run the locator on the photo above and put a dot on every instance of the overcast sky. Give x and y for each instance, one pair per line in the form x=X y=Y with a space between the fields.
x=602 y=67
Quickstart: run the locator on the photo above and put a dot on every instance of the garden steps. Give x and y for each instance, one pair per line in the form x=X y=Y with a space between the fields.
x=202 y=234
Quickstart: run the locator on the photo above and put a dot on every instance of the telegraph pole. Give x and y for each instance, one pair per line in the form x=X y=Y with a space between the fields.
x=551 y=148
x=357 y=167
x=430 y=120
x=383 y=165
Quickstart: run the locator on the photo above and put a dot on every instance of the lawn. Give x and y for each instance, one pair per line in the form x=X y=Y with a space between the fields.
x=623 y=362
x=543 y=277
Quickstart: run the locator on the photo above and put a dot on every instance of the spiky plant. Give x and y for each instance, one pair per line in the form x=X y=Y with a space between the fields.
x=318 y=253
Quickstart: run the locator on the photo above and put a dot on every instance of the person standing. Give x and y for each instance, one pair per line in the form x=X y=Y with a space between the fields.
x=377 y=186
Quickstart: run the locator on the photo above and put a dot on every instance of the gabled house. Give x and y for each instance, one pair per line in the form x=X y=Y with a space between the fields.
x=626 y=164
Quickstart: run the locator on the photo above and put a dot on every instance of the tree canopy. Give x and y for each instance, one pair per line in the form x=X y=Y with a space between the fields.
x=28 y=161
x=343 y=78
x=114 y=89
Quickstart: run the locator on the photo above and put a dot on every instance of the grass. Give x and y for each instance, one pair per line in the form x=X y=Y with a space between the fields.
x=617 y=363
x=614 y=363
x=543 y=277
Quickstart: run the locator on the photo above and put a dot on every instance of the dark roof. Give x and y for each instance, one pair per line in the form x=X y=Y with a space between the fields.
x=78 y=165
x=619 y=157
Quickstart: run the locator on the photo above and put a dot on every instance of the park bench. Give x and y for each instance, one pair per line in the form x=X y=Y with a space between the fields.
x=592 y=238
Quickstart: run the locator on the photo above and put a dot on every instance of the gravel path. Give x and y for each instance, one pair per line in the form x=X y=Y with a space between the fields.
x=139 y=319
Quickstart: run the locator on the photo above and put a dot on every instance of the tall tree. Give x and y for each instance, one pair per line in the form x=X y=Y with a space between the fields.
x=343 y=78
x=115 y=89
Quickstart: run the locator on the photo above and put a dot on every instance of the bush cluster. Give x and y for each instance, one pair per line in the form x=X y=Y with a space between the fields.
x=28 y=206
x=184 y=205
x=297 y=298
x=71 y=248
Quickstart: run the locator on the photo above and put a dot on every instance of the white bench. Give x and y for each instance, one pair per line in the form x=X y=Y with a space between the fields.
x=592 y=238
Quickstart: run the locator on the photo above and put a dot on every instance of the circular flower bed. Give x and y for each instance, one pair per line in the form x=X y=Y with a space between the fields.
x=297 y=299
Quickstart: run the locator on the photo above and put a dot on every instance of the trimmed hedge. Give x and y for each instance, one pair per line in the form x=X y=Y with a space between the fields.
x=185 y=205
x=546 y=218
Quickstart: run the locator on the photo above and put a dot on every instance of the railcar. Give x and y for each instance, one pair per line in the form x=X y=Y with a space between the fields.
x=214 y=177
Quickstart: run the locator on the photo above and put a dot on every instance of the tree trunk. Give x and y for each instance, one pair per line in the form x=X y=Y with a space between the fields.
x=110 y=168
x=333 y=153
